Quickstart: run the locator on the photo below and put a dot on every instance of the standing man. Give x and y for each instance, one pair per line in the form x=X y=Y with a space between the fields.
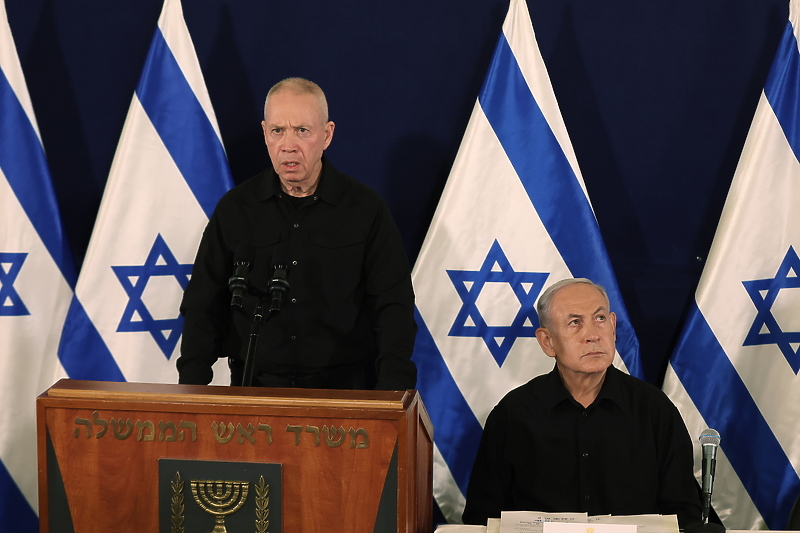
x=347 y=321
x=586 y=437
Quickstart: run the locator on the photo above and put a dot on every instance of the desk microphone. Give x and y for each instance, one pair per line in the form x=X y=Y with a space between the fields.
x=279 y=285
x=238 y=282
x=709 y=439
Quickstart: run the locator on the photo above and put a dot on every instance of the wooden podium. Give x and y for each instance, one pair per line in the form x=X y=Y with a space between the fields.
x=346 y=461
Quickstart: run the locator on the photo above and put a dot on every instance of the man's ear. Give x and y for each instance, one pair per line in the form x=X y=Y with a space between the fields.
x=329 y=127
x=545 y=341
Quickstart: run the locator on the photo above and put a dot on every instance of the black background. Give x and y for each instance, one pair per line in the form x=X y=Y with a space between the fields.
x=657 y=98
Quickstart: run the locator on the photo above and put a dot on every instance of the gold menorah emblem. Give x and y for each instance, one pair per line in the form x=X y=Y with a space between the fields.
x=219 y=499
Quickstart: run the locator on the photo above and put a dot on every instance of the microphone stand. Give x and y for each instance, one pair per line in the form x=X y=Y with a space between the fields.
x=278 y=287
x=252 y=342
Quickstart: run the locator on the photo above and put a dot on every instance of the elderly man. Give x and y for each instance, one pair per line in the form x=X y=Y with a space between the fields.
x=585 y=437
x=347 y=321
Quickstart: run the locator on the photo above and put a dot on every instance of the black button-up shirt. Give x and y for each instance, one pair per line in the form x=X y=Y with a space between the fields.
x=628 y=453
x=350 y=299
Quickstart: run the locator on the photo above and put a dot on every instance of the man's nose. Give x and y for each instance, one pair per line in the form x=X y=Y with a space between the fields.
x=288 y=143
x=593 y=333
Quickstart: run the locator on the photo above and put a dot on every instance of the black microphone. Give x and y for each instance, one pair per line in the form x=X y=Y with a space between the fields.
x=709 y=439
x=278 y=285
x=238 y=282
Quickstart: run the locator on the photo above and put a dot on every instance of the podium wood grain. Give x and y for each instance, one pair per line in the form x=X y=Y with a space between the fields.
x=111 y=483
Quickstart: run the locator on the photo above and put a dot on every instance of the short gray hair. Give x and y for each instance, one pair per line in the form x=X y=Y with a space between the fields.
x=300 y=86
x=546 y=299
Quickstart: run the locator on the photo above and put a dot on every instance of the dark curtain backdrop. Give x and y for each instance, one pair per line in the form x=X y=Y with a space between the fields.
x=657 y=97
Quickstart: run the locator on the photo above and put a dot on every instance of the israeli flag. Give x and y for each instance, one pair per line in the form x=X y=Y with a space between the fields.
x=168 y=172
x=36 y=280
x=514 y=218
x=735 y=368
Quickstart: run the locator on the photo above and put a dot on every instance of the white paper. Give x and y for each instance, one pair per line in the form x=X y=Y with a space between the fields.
x=593 y=527
x=533 y=522
x=649 y=523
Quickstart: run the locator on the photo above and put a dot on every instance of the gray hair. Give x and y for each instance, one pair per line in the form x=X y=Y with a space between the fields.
x=300 y=86
x=546 y=299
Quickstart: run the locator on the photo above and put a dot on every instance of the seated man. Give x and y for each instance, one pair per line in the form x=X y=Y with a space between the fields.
x=586 y=437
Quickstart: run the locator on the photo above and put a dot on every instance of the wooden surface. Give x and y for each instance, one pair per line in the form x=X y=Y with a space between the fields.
x=111 y=480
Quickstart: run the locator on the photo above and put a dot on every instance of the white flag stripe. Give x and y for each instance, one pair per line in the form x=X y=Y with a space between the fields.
x=28 y=343
x=168 y=172
x=169 y=197
x=173 y=27
x=526 y=49
x=461 y=238
x=730 y=489
x=451 y=502
x=551 y=183
x=745 y=323
x=490 y=251
x=764 y=370
x=34 y=293
x=12 y=69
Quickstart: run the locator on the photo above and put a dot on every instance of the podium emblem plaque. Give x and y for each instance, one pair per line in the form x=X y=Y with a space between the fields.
x=218 y=496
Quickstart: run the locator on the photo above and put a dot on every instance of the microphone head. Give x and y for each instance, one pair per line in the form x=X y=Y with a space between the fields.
x=709 y=437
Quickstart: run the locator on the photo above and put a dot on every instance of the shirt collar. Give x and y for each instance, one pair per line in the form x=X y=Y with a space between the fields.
x=331 y=186
x=612 y=389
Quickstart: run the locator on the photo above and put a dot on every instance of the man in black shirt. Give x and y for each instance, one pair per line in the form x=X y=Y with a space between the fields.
x=348 y=318
x=586 y=437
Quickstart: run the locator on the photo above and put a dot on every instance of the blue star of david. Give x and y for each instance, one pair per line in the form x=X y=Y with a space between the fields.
x=763 y=292
x=160 y=262
x=10 y=302
x=470 y=323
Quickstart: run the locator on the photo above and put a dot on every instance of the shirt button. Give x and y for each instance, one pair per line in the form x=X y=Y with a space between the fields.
x=294 y=300
x=584 y=454
x=586 y=498
x=293 y=337
x=294 y=263
x=315 y=198
x=296 y=225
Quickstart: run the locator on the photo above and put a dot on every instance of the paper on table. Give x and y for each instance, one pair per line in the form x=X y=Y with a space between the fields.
x=647 y=523
x=594 y=527
x=533 y=522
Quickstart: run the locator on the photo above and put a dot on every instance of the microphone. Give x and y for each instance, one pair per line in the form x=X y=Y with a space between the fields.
x=238 y=282
x=709 y=439
x=278 y=285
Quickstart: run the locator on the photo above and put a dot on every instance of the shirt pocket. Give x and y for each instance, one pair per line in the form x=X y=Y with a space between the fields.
x=337 y=262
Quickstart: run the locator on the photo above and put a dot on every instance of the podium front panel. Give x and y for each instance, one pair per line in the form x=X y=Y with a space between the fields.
x=350 y=461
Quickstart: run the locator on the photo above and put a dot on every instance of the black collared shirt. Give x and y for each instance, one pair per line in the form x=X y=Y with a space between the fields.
x=627 y=453
x=350 y=299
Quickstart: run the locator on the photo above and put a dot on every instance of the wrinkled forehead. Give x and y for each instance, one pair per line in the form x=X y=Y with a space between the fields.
x=289 y=105
x=579 y=299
